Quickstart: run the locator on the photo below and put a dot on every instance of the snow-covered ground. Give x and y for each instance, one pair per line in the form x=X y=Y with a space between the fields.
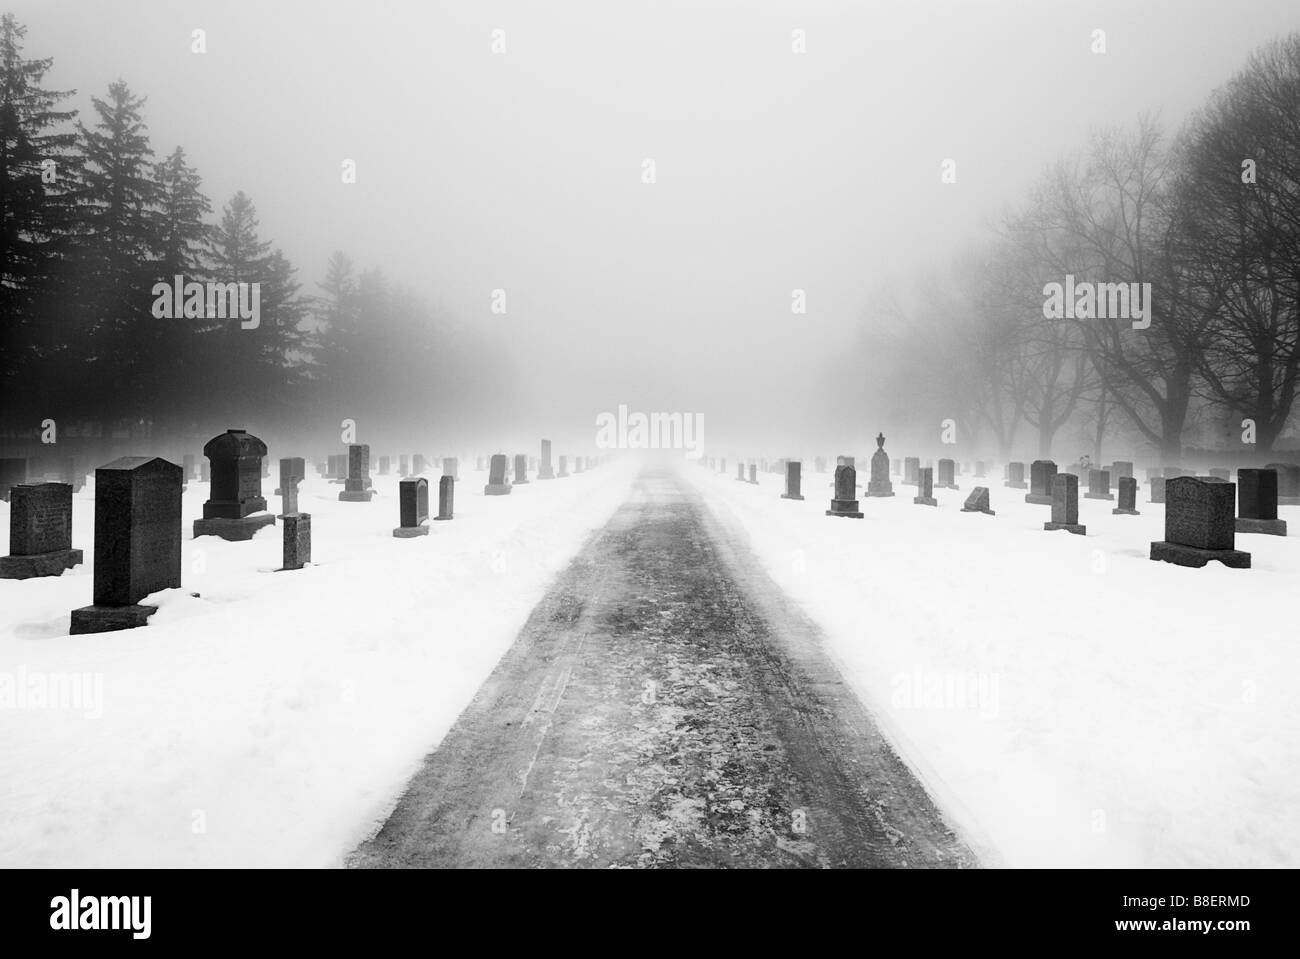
x=1066 y=700
x=275 y=719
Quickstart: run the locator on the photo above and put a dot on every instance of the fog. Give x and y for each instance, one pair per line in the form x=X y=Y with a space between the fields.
x=522 y=170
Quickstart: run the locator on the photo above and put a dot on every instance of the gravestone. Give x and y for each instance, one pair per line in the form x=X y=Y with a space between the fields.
x=497 y=485
x=1288 y=483
x=187 y=467
x=446 y=497
x=753 y=473
x=564 y=467
x=1098 y=485
x=293 y=470
x=385 y=465
x=792 y=480
x=947 y=474
x=911 y=465
x=1158 y=489
x=740 y=472
x=451 y=467
x=1128 y=492
x=40 y=531
x=978 y=501
x=521 y=469
x=1015 y=476
x=235 y=509
x=1199 y=524
x=722 y=465
x=357 y=488
x=419 y=465
x=413 y=508
x=1120 y=468
x=205 y=472
x=1065 y=504
x=896 y=468
x=925 y=488
x=12 y=473
x=879 y=484
x=844 y=502
x=403 y=465
x=137 y=542
x=297 y=541
x=1257 y=503
x=980 y=469
x=338 y=467
x=819 y=464
x=1041 y=489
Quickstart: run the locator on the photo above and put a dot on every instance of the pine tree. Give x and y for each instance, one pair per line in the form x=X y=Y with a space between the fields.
x=35 y=169
x=113 y=273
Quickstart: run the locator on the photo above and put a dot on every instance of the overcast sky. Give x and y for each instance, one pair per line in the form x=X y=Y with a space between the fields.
x=523 y=170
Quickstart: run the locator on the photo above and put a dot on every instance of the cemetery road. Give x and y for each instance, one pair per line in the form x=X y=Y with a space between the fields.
x=664 y=706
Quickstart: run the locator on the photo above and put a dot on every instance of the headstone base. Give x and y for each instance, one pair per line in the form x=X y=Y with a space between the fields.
x=107 y=619
x=946 y=486
x=1109 y=496
x=844 y=507
x=880 y=489
x=1117 y=511
x=1078 y=529
x=234 y=530
x=1009 y=485
x=1195 y=557
x=410 y=532
x=51 y=564
x=496 y=489
x=1271 y=527
x=986 y=512
x=1039 y=499
x=542 y=476
x=925 y=501
x=356 y=496
x=520 y=482
x=788 y=496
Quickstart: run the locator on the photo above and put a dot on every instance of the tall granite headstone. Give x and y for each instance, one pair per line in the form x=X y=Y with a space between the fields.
x=357 y=488
x=845 y=501
x=1065 y=504
x=137 y=541
x=497 y=484
x=1257 y=503
x=1128 y=491
x=1041 y=490
x=925 y=488
x=413 y=508
x=521 y=469
x=446 y=497
x=792 y=480
x=879 y=484
x=297 y=540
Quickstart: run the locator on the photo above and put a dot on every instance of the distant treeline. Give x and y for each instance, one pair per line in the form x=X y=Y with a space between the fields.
x=1209 y=218
x=92 y=220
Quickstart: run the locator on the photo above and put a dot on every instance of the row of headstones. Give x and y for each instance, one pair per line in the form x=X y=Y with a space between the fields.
x=19 y=471
x=1200 y=519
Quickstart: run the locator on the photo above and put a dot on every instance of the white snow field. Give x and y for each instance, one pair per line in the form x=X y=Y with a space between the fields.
x=274 y=720
x=1066 y=700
